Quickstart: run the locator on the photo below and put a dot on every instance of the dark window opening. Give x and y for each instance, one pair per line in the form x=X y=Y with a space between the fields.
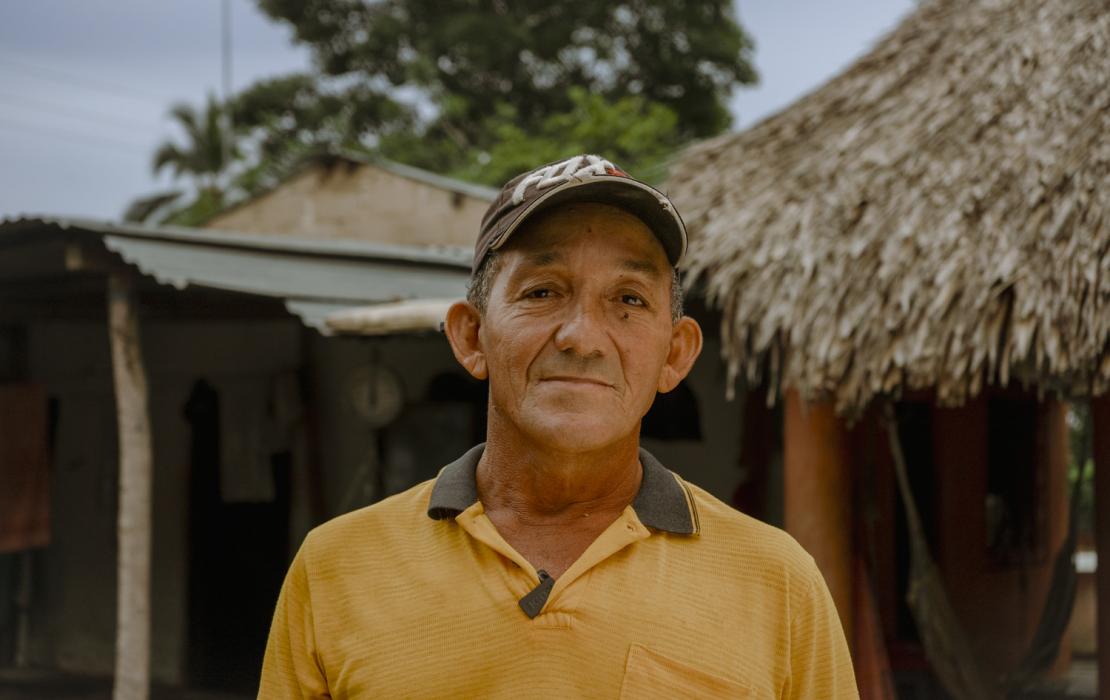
x=915 y=432
x=1014 y=510
x=238 y=553
x=673 y=416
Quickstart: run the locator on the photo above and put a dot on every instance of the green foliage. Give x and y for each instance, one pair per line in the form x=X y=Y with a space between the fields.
x=285 y=117
x=1081 y=467
x=633 y=132
x=147 y=207
x=206 y=204
x=471 y=66
x=477 y=89
x=527 y=52
x=202 y=157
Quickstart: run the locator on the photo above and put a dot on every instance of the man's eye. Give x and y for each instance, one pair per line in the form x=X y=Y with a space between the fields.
x=632 y=299
x=541 y=293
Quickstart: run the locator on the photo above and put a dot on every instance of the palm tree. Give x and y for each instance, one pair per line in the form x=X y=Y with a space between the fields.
x=207 y=154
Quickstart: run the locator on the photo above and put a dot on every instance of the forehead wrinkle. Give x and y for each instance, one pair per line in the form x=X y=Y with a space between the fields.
x=641 y=265
x=543 y=258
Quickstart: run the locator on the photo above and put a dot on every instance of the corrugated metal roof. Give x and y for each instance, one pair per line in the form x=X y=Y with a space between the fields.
x=449 y=184
x=435 y=180
x=313 y=277
x=427 y=177
x=411 y=315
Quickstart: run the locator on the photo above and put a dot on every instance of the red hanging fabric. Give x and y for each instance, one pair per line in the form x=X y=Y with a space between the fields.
x=24 y=468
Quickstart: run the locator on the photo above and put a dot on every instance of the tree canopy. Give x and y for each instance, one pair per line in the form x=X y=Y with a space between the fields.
x=466 y=72
x=526 y=53
x=205 y=155
x=482 y=89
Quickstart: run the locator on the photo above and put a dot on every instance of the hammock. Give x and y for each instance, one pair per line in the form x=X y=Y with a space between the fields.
x=944 y=640
x=1058 y=603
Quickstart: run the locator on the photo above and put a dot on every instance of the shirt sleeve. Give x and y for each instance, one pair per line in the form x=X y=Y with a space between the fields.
x=820 y=664
x=292 y=667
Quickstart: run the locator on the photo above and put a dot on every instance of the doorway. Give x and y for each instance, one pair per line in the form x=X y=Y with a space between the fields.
x=238 y=554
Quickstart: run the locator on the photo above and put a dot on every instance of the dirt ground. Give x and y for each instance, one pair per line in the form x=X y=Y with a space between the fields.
x=40 y=686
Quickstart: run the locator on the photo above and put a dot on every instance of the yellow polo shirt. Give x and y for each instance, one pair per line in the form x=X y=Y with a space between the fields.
x=418 y=596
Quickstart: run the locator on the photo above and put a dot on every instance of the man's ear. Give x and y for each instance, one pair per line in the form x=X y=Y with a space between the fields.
x=461 y=326
x=685 y=348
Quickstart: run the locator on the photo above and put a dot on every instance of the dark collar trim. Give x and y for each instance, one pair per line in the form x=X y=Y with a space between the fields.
x=662 y=503
x=456 y=487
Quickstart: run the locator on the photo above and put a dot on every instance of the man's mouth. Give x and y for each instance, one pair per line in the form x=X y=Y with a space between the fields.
x=586 y=381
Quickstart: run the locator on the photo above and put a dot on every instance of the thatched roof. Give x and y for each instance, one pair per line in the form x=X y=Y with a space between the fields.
x=938 y=215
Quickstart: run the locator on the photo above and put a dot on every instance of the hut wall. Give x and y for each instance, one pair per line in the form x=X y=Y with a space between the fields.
x=350 y=449
x=713 y=462
x=424 y=435
x=998 y=603
x=73 y=617
x=360 y=202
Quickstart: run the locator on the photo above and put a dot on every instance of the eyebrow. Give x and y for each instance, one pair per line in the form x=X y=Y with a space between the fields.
x=549 y=257
x=640 y=265
x=543 y=258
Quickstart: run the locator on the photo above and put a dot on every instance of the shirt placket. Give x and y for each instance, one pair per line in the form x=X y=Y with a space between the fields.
x=622 y=532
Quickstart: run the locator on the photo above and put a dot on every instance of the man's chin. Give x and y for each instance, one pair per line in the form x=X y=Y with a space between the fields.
x=569 y=432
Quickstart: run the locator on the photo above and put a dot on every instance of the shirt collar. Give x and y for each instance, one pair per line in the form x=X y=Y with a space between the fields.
x=664 y=502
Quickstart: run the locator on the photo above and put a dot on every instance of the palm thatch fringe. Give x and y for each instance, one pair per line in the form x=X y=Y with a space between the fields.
x=938 y=215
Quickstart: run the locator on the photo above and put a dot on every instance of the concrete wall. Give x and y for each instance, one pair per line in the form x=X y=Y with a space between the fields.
x=73 y=622
x=350 y=448
x=348 y=445
x=713 y=462
x=361 y=202
x=74 y=618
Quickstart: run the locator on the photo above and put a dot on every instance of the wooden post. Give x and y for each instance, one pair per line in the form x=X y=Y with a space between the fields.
x=1100 y=417
x=132 y=679
x=817 y=495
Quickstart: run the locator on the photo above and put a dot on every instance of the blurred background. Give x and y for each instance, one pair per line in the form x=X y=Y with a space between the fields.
x=229 y=231
x=90 y=89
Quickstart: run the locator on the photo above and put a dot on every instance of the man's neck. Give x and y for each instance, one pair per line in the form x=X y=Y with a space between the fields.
x=541 y=486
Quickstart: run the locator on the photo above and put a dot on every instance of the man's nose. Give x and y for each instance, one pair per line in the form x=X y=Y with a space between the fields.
x=582 y=330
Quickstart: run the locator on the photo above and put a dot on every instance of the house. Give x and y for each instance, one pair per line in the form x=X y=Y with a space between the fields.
x=288 y=379
x=260 y=428
x=927 y=231
x=348 y=196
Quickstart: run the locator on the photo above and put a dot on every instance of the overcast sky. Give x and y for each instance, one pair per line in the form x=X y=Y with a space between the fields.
x=85 y=84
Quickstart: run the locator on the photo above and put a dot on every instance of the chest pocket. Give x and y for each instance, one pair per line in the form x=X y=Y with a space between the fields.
x=649 y=674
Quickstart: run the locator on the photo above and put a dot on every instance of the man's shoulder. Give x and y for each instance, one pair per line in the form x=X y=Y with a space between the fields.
x=399 y=514
x=749 y=540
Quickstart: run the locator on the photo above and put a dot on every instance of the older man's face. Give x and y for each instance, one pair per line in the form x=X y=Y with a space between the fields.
x=578 y=327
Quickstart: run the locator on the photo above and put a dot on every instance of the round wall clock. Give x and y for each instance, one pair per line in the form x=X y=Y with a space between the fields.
x=376 y=394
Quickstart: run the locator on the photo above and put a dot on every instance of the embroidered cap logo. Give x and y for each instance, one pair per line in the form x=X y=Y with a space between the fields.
x=569 y=169
x=583 y=178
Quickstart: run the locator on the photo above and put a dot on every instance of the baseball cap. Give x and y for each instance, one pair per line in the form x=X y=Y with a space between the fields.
x=583 y=178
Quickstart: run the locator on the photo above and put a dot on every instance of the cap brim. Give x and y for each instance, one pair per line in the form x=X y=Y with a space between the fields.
x=645 y=202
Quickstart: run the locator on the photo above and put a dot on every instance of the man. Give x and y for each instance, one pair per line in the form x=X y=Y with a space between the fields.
x=559 y=559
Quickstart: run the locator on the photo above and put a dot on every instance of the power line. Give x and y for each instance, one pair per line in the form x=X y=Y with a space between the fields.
x=74 y=80
x=75 y=136
x=225 y=60
x=70 y=111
